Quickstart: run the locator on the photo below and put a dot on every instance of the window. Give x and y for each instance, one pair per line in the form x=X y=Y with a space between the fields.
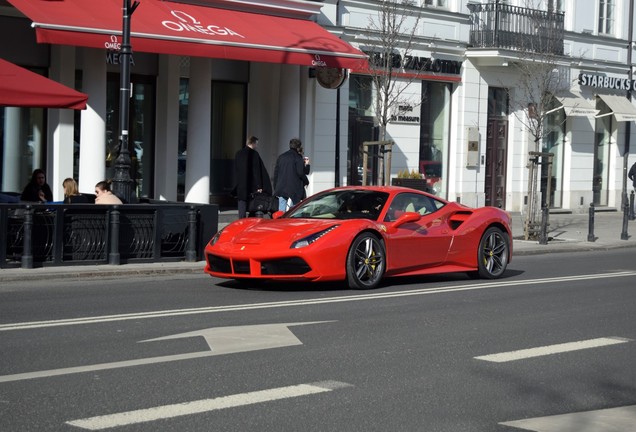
x=434 y=134
x=606 y=17
x=438 y=3
x=555 y=5
x=141 y=131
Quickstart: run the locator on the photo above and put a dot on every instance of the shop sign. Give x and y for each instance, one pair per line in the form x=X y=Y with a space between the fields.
x=112 y=57
x=415 y=63
x=602 y=81
x=404 y=114
x=187 y=23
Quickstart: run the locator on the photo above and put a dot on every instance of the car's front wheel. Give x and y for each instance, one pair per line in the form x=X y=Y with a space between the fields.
x=493 y=252
x=366 y=262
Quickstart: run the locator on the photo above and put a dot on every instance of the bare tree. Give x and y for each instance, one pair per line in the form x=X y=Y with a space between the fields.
x=393 y=67
x=542 y=74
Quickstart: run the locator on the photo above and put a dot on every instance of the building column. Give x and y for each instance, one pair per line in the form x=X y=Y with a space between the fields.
x=93 y=130
x=61 y=125
x=289 y=106
x=13 y=177
x=197 y=181
x=167 y=128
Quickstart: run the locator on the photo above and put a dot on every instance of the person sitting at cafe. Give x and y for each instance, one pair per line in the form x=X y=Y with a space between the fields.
x=37 y=190
x=72 y=195
x=103 y=194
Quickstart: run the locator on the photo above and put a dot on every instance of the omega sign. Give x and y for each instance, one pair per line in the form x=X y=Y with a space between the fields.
x=600 y=81
x=188 y=23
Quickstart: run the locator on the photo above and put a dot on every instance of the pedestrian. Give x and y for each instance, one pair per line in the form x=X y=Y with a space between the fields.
x=37 y=190
x=72 y=195
x=289 y=176
x=251 y=176
x=632 y=174
x=103 y=194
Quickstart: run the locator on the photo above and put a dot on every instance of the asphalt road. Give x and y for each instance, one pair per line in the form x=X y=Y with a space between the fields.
x=555 y=337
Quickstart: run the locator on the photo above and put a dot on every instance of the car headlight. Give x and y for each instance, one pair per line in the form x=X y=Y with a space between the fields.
x=306 y=241
x=215 y=237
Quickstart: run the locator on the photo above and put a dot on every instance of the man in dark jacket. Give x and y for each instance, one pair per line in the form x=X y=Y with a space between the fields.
x=632 y=174
x=289 y=175
x=251 y=175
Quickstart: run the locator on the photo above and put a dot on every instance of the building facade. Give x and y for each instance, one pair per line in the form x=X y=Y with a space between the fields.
x=465 y=120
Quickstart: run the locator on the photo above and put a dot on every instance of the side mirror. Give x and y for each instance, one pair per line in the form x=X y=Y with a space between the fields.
x=407 y=217
x=277 y=214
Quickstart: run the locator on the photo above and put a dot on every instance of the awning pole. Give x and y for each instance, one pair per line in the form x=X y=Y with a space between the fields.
x=123 y=185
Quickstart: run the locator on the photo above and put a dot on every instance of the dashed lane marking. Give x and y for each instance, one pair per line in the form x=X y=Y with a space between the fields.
x=552 y=349
x=128 y=418
x=621 y=419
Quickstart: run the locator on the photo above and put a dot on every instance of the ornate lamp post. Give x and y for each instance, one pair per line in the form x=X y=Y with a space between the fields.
x=123 y=185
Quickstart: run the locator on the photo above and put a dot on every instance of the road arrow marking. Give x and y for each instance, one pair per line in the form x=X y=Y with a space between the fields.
x=607 y=420
x=221 y=340
x=552 y=349
x=206 y=405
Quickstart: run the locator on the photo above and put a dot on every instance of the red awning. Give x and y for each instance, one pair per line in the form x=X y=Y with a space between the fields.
x=184 y=29
x=20 y=87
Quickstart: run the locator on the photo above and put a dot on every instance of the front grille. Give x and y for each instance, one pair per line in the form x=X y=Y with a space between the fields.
x=219 y=265
x=241 y=267
x=287 y=266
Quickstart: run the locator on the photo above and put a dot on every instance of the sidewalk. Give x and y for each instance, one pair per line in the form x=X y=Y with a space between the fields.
x=566 y=233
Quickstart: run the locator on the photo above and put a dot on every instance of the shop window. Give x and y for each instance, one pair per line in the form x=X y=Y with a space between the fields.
x=184 y=100
x=602 y=141
x=229 y=119
x=554 y=128
x=434 y=134
x=361 y=128
x=22 y=146
x=141 y=133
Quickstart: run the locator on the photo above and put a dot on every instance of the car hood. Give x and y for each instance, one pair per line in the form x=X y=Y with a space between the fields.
x=271 y=231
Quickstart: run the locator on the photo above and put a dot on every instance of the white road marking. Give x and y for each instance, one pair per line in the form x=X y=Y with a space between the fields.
x=205 y=405
x=621 y=419
x=292 y=303
x=221 y=340
x=552 y=349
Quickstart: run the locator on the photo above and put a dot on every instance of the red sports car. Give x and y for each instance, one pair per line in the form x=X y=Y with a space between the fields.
x=361 y=234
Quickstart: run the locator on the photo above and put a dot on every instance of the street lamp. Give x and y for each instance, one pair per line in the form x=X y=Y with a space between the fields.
x=122 y=182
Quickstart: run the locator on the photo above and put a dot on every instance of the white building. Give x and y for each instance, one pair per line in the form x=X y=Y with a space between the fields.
x=199 y=90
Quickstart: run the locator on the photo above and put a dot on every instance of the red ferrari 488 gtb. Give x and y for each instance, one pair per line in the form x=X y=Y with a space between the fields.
x=361 y=234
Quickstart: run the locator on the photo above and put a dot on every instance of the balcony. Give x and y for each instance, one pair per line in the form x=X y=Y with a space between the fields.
x=502 y=26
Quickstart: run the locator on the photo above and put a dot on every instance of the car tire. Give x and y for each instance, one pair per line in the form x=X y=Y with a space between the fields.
x=493 y=252
x=366 y=262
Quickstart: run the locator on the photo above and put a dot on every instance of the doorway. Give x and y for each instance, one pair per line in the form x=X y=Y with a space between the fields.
x=496 y=148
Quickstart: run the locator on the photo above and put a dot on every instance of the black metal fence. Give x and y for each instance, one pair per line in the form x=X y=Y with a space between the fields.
x=34 y=235
x=496 y=25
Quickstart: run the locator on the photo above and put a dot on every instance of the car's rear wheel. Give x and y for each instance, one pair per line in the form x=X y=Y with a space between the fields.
x=366 y=262
x=492 y=254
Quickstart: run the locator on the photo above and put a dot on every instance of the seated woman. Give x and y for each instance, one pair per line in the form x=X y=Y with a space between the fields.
x=103 y=194
x=38 y=189
x=72 y=195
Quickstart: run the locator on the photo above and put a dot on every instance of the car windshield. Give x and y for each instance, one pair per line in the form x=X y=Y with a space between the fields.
x=342 y=204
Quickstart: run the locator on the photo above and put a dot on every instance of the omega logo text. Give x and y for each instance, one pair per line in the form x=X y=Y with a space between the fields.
x=187 y=23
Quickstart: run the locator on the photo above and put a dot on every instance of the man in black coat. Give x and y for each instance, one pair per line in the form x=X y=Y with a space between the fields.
x=289 y=175
x=251 y=175
x=632 y=174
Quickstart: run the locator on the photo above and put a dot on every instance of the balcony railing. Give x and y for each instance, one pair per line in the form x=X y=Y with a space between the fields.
x=502 y=26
